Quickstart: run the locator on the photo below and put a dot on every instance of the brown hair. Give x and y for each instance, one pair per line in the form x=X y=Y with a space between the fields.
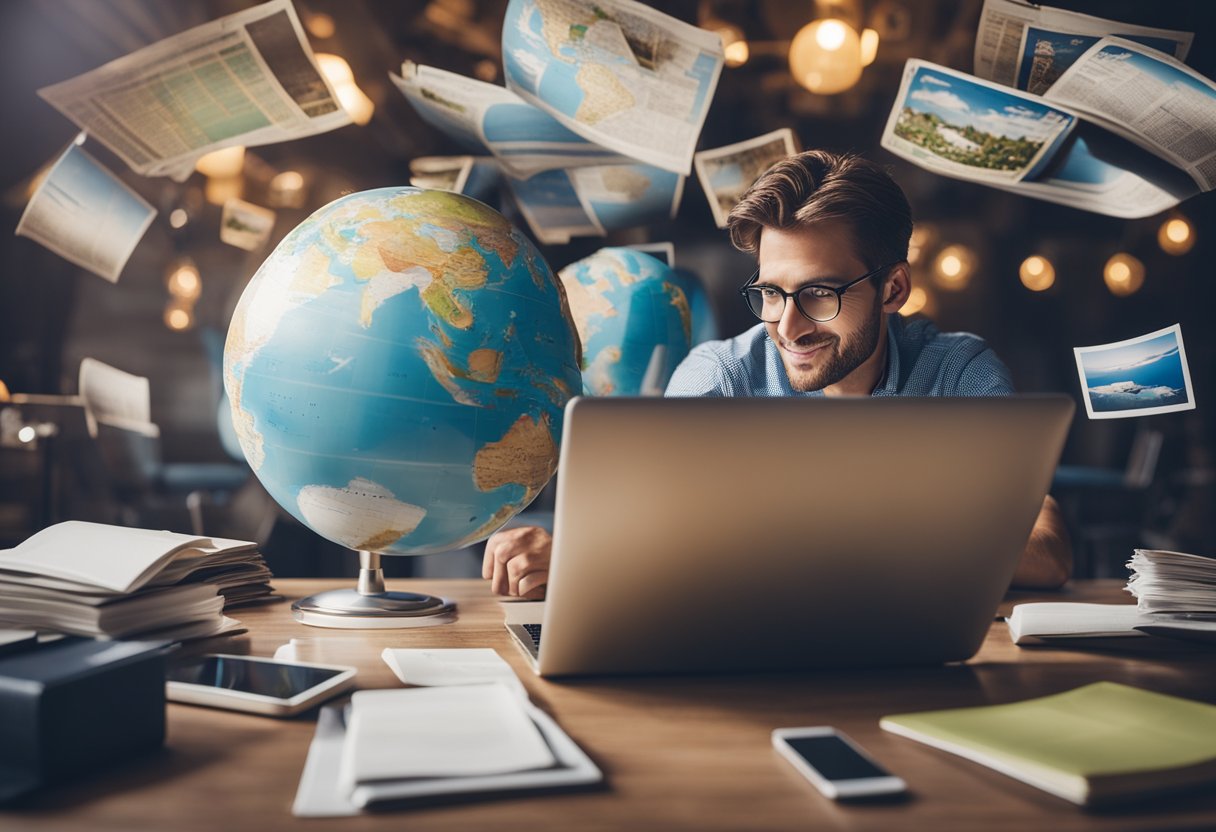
x=819 y=186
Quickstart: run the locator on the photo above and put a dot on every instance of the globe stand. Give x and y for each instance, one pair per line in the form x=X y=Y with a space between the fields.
x=370 y=606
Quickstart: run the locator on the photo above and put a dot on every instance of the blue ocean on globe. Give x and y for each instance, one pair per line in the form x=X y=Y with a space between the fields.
x=398 y=368
x=633 y=318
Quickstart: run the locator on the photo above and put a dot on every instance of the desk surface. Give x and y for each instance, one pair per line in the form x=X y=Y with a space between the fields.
x=678 y=753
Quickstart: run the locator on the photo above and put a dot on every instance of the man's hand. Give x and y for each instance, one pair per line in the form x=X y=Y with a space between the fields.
x=1047 y=559
x=517 y=562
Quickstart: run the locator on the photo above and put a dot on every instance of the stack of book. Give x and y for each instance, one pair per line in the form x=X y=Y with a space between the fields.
x=106 y=581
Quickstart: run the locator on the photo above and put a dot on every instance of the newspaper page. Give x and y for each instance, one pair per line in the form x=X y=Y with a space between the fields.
x=1148 y=98
x=624 y=196
x=552 y=208
x=727 y=172
x=488 y=119
x=114 y=397
x=616 y=72
x=248 y=78
x=1027 y=46
x=86 y=215
x=957 y=125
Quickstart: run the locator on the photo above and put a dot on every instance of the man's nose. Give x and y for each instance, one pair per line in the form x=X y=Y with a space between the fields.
x=793 y=324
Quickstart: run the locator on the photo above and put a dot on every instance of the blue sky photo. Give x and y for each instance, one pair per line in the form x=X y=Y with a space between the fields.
x=962 y=104
x=1145 y=374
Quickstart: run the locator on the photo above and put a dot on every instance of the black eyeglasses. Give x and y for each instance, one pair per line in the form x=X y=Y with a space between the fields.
x=815 y=301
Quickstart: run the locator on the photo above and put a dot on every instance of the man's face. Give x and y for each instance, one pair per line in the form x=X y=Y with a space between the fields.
x=818 y=355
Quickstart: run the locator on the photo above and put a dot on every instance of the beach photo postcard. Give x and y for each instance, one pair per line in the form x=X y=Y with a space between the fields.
x=957 y=125
x=1137 y=377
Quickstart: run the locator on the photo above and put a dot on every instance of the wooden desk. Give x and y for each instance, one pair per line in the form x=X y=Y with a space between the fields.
x=678 y=753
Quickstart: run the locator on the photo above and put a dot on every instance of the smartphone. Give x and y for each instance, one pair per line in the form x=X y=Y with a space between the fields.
x=834 y=763
x=261 y=686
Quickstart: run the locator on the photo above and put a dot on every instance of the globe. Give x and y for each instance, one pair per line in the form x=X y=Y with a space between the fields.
x=397 y=371
x=633 y=318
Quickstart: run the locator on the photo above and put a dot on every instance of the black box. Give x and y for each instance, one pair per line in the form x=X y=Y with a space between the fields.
x=75 y=706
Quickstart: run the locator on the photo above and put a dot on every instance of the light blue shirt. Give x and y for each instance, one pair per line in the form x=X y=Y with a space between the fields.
x=920 y=362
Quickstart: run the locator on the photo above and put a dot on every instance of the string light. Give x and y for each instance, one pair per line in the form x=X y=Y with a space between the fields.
x=1037 y=273
x=1124 y=274
x=1176 y=236
x=953 y=267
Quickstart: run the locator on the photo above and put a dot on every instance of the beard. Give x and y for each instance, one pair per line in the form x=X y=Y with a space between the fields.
x=838 y=358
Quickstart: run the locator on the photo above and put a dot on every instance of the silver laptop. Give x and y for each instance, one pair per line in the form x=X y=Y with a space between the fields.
x=722 y=535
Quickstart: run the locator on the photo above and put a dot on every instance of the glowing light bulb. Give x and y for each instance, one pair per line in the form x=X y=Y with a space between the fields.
x=869 y=46
x=1037 y=273
x=825 y=56
x=178 y=217
x=178 y=317
x=917 y=299
x=1176 y=236
x=224 y=163
x=184 y=281
x=27 y=435
x=1123 y=274
x=953 y=267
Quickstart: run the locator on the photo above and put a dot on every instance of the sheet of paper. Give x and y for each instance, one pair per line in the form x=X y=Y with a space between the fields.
x=439 y=732
x=86 y=215
x=486 y=118
x=616 y=72
x=320 y=794
x=114 y=397
x=661 y=251
x=111 y=557
x=433 y=667
x=1029 y=46
x=1150 y=99
x=727 y=172
x=248 y=78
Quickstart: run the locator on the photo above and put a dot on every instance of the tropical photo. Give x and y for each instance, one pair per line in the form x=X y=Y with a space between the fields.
x=978 y=126
x=1136 y=377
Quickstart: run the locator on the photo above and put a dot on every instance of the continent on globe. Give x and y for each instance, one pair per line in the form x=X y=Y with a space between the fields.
x=633 y=318
x=397 y=371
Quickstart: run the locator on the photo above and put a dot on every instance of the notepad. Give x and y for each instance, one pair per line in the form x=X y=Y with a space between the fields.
x=1094 y=745
x=439 y=732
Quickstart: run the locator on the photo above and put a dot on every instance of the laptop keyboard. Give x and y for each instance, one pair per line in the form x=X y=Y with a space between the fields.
x=533 y=630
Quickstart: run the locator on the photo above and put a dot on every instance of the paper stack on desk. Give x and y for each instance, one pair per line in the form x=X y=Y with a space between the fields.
x=1177 y=591
x=107 y=581
x=475 y=732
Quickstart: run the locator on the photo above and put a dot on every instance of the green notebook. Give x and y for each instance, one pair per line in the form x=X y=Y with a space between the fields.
x=1093 y=745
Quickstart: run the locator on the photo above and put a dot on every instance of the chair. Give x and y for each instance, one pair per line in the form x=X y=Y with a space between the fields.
x=1106 y=508
x=117 y=405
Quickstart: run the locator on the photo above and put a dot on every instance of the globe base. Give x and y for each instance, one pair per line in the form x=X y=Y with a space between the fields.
x=348 y=609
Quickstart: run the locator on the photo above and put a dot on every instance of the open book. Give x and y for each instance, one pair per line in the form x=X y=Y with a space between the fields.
x=1096 y=744
x=94 y=579
x=1125 y=130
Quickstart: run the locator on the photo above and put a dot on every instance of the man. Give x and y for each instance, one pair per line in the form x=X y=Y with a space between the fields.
x=831 y=237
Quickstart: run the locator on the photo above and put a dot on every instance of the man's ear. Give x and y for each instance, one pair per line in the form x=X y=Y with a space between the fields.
x=896 y=287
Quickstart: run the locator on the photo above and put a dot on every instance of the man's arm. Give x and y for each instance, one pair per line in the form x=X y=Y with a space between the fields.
x=1046 y=561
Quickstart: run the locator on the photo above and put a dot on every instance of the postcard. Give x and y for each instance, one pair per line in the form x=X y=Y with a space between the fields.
x=245 y=225
x=1137 y=377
